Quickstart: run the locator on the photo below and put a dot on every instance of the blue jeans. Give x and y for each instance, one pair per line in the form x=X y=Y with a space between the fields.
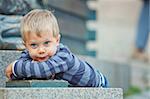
x=143 y=27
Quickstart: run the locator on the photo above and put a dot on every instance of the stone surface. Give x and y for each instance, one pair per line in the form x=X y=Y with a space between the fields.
x=61 y=93
x=6 y=57
x=37 y=83
x=78 y=7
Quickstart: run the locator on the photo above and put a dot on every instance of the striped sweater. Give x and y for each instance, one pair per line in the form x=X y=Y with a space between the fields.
x=64 y=64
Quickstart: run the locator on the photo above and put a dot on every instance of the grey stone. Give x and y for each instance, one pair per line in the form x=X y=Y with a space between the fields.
x=6 y=57
x=61 y=93
x=75 y=7
x=10 y=37
x=37 y=83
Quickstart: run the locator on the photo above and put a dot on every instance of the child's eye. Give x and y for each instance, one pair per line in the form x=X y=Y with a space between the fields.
x=46 y=43
x=34 y=45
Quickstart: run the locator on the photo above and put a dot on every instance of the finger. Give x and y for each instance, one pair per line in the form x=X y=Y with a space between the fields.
x=53 y=76
x=8 y=75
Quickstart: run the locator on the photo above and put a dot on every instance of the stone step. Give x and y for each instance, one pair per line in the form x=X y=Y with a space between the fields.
x=61 y=93
x=37 y=83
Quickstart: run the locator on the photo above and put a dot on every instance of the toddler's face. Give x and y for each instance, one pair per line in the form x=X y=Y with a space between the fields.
x=41 y=47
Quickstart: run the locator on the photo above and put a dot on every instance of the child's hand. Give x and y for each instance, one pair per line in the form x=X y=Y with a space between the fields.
x=8 y=71
x=52 y=76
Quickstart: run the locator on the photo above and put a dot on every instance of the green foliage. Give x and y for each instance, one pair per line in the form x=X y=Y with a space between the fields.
x=132 y=90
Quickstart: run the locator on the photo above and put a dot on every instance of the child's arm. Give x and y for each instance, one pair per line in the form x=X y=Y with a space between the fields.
x=8 y=71
x=26 y=68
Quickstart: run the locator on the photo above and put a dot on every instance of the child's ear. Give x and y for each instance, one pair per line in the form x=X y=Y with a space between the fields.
x=58 y=38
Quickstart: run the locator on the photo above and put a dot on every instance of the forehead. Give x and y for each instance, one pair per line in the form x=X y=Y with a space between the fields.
x=40 y=36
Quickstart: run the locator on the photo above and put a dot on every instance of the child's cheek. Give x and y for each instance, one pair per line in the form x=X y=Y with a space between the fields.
x=53 y=51
x=32 y=55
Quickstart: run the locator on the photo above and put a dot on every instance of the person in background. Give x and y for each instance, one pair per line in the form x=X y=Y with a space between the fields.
x=142 y=33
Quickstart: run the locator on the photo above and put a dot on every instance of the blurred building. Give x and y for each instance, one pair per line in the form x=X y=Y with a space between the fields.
x=114 y=28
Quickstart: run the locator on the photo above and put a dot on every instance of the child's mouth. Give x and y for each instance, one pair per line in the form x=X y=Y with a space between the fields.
x=42 y=58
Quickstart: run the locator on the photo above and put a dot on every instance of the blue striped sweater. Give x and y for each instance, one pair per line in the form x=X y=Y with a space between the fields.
x=64 y=64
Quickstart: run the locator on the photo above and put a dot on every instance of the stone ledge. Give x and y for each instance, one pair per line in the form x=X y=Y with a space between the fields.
x=61 y=93
x=37 y=83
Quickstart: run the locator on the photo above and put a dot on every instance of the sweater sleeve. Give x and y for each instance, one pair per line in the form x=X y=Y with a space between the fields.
x=25 y=67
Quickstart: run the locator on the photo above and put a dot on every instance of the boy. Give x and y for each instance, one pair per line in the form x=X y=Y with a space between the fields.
x=46 y=58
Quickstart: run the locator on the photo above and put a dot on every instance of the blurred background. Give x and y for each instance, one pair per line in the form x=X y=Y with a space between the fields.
x=110 y=34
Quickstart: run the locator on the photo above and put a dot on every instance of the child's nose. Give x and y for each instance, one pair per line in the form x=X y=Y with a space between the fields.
x=41 y=50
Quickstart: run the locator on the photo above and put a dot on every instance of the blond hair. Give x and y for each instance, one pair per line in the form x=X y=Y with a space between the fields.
x=39 y=21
